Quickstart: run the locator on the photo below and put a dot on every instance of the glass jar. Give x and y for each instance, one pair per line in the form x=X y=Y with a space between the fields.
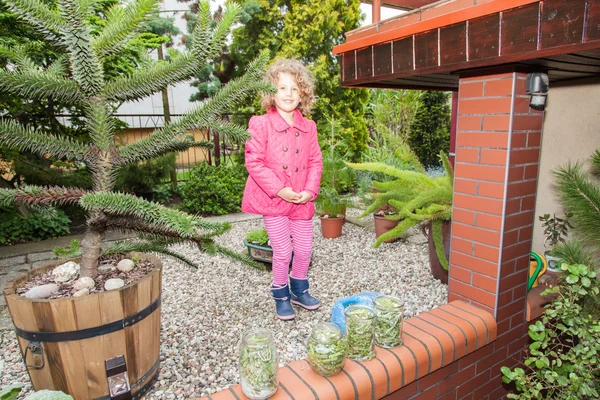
x=326 y=349
x=258 y=364
x=388 y=321
x=360 y=332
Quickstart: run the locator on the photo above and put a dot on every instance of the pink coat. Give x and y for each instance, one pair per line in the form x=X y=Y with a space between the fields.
x=279 y=156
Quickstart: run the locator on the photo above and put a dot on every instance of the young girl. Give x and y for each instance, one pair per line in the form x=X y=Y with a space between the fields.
x=283 y=159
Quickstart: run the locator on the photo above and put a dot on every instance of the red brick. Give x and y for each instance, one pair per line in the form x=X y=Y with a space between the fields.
x=517 y=320
x=525 y=233
x=465 y=186
x=474 y=264
x=519 y=220
x=496 y=123
x=486 y=106
x=467 y=154
x=521 y=84
x=508 y=282
x=476 y=234
x=508 y=268
x=471 y=89
x=463 y=216
x=523 y=188
x=507 y=311
x=515 y=251
x=489 y=253
x=518 y=140
x=484 y=282
x=437 y=376
x=501 y=87
x=491 y=360
x=454 y=296
x=451 y=395
x=467 y=123
x=505 y=297
x=524 y=156
x=460 y=274
x=531 y=171
x=509 y=336
x=528 y=203
x=496 y=157
x=516 y=173
x=534 y=139
x=467 y=387
x=488 y=221
x=503 y=326
x=476 y=356
x=513 y=206
x=456 y=379
x=462 y=246
x=521 y=105
x=477 y=171
x=489 y=189
x=405 y=393
x=527 y=123
x=497 y=140
x=485 y=390
x=510 y=237
x=488 y=205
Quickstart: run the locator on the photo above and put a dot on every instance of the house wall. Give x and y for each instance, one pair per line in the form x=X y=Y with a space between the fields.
x=570 y=133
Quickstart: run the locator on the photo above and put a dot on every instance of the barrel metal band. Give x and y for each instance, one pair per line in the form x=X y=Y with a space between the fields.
x=53 y=337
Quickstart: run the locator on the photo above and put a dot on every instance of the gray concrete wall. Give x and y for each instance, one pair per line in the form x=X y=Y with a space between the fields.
x=571 y=132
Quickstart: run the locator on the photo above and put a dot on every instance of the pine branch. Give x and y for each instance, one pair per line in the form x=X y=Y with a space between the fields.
x=408 y=178
x=203 y=115
x=152 y=79
x=146 y=247
x=7 y=198
x=218 y=35
x=447 y=167
x=20 y=57
x=87 y=69
x=48 y=195
x=237 y=256
x=149 y=231
x=41 y=85
x=101 y=125
x=38 y=14
x=122 y=24
x=121 y=204
x=60 y=67
x=23 y=138
x=200 y=37
x=581 y=197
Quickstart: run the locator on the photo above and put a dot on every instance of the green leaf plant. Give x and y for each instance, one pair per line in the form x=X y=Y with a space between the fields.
x=83 y=82
x=563 y=360
x=416 y=198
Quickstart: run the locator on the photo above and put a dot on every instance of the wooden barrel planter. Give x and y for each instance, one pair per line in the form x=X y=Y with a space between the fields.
x=65 y=342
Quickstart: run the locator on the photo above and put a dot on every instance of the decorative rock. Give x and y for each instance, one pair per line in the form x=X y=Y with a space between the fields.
x=125 y=265
x=114 y=283
x=42 y=291
x=66 y=271
x=106 y=268
x=82 y=292
x=84 y=283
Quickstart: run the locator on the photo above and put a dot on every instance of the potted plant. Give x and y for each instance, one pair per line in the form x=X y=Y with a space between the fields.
x=417 y=199
x=66 y=341
x=336 y=179
x=257 y=243
x=555 y=231
x=562 y=356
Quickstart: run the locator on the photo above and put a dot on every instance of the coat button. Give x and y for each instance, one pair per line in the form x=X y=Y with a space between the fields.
x=296 y=169
x=285 y=149
x=297 y=151
x=297 y=133
x=284 y=166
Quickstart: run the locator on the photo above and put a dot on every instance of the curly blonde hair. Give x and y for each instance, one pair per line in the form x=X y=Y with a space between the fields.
x=303 y=77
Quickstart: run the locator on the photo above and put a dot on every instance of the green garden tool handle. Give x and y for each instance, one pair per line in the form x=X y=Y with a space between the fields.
x=540 y=265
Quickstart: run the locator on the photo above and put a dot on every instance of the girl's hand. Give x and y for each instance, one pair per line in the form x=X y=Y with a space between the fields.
x=304 y=198
x=288 y=194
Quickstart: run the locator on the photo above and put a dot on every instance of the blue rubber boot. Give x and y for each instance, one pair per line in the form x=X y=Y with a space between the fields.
x=300 y=296
x=281 y=295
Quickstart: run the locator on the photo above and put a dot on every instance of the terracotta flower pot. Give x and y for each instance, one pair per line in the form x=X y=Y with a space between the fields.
x=383 y=225
x=437 y=270
x=331 y=228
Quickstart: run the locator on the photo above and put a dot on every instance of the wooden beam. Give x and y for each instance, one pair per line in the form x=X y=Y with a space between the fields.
x=404 y=4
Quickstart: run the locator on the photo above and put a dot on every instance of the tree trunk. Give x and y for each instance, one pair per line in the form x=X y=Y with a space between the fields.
x=167 y=113
x=91 y=247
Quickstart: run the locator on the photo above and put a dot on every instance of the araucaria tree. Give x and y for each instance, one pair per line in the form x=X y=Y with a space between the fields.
x=78 y=77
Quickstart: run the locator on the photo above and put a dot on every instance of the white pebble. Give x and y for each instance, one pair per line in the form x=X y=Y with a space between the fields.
x=125 y=265
x=113 y=283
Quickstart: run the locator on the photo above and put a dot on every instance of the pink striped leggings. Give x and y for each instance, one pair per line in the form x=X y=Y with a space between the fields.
x=279 y=229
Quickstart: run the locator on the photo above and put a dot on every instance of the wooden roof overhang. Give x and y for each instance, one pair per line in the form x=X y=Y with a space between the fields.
x=560 y=37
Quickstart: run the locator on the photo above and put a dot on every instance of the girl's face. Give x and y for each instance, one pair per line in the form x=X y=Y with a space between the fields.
x=287 y=97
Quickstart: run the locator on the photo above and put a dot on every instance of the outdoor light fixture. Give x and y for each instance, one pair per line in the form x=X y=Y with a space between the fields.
x=118 y=381
x=537 y=87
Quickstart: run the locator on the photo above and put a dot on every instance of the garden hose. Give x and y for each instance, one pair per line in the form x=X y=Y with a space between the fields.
x=541 y=265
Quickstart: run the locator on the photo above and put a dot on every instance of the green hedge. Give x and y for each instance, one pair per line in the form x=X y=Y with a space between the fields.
x=213 y=190
x=14 y=228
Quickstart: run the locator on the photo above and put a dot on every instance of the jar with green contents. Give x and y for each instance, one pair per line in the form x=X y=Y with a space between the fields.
x=360 y=332
x=388 y=321
x=326 y=349
x=258 y=364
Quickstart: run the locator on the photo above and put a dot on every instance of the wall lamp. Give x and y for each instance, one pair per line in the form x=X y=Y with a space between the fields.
x=537 y=87
x=118 y=381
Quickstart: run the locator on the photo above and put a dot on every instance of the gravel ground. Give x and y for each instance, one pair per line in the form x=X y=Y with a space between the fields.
x=205 y=311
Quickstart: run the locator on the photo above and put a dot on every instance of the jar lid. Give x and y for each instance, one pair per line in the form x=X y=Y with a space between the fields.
x=325 y=332
x=359 y=312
